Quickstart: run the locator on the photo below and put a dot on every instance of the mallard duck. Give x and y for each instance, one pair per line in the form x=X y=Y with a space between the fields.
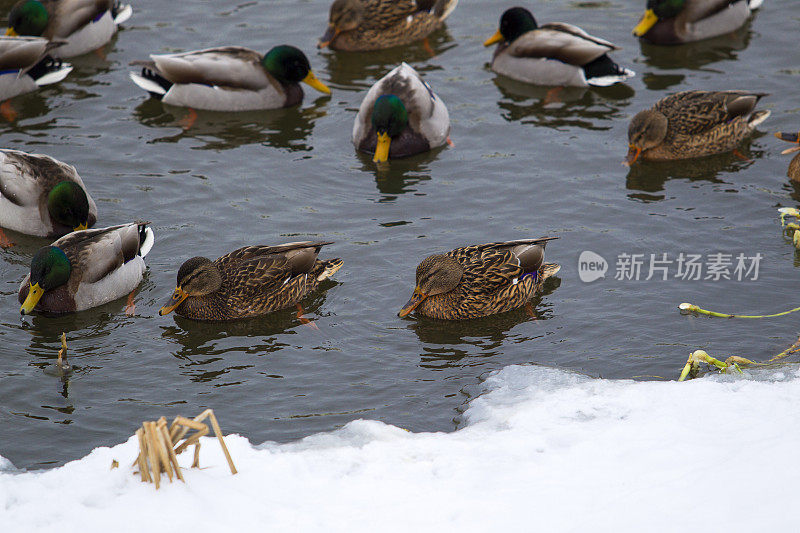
x=230 y=78
x=480 y=280
x=686 y=21
x=25 y=65
x=82 y=25
x=360 y=25
x=42 y=196
x=249 y=282
x=794 y=167
x=400 y=116
x=693 y=124
x=552 y=54
x=85 y=269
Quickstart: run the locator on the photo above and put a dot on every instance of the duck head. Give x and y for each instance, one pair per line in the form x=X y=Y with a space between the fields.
x=50 y=269
x=389 y=118
x=437 y=274
x=28 y=17
x=68 y=205
x=658 y=10
x=513 y=23
x=197 y=276
x=345 y=15
x=647 y=130
x=290 y=65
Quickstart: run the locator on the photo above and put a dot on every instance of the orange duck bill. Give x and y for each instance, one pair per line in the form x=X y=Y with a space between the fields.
x=178 y=296
x=412 y=304
x=633 y=154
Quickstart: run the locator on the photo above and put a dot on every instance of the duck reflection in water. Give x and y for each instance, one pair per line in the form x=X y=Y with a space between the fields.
x=457 y=343
x=286 y=129
x=358 y=69
x=650 y=177
x=560 y=107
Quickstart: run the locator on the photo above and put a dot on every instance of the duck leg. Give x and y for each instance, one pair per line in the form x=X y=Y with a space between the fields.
x=551 y=97
x=7 y=110
x=188 y=121
x=5 y=242
x=130 y=306
x=426 y=44
x=101 y=53
x=303 y=319
x=740 y=155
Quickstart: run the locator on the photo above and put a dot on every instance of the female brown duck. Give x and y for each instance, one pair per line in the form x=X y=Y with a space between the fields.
x=693 y=124
x=480 y=280
x=249 y=282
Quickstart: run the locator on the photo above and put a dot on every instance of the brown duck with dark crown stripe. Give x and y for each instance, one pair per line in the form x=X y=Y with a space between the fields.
x=693 y=124
x=249 y=282
x=480 y=280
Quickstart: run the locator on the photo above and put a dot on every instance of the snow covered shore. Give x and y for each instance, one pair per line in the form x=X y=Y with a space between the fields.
x=544 y=450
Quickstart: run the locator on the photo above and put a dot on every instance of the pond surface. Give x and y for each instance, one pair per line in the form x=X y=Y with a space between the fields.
x=526 y=163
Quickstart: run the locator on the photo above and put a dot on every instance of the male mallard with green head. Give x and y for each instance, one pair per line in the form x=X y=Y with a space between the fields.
x=686 y=21
x=25 y=65
x=400 y=116
x=480 y=280
x=230 y=78
x=249 y=282
x=552 y=54
x=81 y=25
x=42 y=196
x=693 y=124
x=85 y=269
x=794 y=166
x=360 y=25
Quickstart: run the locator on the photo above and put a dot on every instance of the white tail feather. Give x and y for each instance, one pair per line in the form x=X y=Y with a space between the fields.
x=755 y=4
x=124 y=14
x=606 y=81
x=451 y=5
x=147 y=245
x=55 y=76
x=148 y=85
x=759 y=117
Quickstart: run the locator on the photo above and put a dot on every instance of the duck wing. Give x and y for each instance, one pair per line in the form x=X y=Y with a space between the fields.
x=230 y=66
x=490 y=267
x=561 y=41
x=700 y=9
x=22 y=52
x=695 y=112
x=96 y=253
x=68 y=16
x=256 y=271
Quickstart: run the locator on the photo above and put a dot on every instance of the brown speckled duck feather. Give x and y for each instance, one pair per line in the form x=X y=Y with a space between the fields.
x=494 y=281
x=257 y=280
x=386 y=23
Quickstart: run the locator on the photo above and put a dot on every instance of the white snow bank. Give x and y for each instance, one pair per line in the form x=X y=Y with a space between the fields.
x=544 y=450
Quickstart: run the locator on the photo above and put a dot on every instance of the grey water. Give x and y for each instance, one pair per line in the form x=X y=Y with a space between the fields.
x=527 y=162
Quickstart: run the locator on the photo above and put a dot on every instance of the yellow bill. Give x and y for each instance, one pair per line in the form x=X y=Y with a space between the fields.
x=382 y=149
x=312 y=81
x=178 y=296
x=496 y=38
x=81 y=227
x=35 y=293
x=649 y=20
x=412 y=303
x=11 y=33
